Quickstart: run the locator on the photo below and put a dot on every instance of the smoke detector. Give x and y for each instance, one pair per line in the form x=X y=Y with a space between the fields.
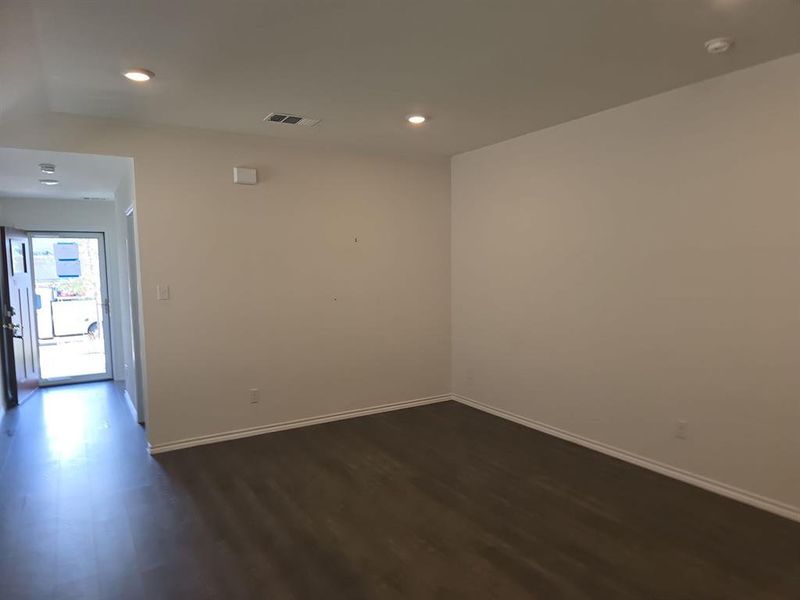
x=719 y=45
x=289 y=119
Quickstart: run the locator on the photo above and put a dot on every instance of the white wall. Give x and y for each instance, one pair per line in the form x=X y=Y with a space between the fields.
x=47 y=214
x=269 y=289
x=641 y=266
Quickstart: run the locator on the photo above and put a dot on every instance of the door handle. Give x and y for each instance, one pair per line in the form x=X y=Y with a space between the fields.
x=14 y=328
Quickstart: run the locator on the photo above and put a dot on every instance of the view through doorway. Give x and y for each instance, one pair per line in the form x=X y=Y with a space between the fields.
x=71 y=292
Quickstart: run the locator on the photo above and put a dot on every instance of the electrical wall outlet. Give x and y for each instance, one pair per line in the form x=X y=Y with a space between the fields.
x=255 y=396
x=682 y=430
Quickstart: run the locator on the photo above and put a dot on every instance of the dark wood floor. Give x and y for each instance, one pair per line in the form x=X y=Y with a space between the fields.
x=439 y=501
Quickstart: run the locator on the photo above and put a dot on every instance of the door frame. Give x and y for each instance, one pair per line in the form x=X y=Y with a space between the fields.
x=135 y=303
x=105 y=303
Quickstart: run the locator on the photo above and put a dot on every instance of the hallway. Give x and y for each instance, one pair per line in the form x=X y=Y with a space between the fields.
x=71 y=458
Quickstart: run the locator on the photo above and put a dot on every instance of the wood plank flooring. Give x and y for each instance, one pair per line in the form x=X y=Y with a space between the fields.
x=439 y=501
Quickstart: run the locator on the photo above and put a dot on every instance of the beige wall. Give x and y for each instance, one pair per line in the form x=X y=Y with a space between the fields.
x=641 y=266
x=269 y=289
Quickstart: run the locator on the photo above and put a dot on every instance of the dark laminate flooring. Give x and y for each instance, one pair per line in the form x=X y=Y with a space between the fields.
x=439 y=501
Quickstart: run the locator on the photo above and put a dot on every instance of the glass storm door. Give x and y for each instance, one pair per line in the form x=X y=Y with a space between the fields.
x=72 y=308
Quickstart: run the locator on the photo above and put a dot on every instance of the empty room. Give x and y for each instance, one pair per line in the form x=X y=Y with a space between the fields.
x=371 y=299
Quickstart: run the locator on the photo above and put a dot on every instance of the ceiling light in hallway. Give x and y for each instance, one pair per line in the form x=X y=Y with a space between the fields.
x=416 y=119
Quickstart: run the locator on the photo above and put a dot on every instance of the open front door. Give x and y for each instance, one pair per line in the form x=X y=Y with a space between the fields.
x=20 y=366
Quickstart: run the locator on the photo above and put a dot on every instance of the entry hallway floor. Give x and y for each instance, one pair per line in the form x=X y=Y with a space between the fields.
x=439 y=501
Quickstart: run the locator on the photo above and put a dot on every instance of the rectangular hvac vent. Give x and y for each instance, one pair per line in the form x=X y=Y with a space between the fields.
x=288 y=119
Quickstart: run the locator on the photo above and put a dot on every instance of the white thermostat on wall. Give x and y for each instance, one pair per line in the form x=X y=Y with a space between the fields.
x=245 y=175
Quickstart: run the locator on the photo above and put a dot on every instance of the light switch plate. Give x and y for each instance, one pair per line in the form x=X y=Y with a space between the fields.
x=162 y=292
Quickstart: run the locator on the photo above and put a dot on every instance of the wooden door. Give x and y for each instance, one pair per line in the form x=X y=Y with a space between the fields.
x=20 y=361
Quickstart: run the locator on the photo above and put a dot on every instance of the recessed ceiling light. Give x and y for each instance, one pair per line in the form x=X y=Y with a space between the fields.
x=139 y=75
x=416 y=119
x=719 y=45
x=48 y=181
x=47 y=168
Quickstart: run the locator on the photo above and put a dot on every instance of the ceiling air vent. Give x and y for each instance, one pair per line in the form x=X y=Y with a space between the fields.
x=288 y=119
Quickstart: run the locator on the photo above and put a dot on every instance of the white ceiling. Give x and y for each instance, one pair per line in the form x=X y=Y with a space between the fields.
x=483 y=70
x=80 y=175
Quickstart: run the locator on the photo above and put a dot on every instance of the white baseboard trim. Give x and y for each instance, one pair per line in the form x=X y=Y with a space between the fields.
x=129 y=402
x=251 y=431
x=723 y=489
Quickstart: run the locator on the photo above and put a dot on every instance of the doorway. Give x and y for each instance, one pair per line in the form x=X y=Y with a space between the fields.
x=72 y=307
